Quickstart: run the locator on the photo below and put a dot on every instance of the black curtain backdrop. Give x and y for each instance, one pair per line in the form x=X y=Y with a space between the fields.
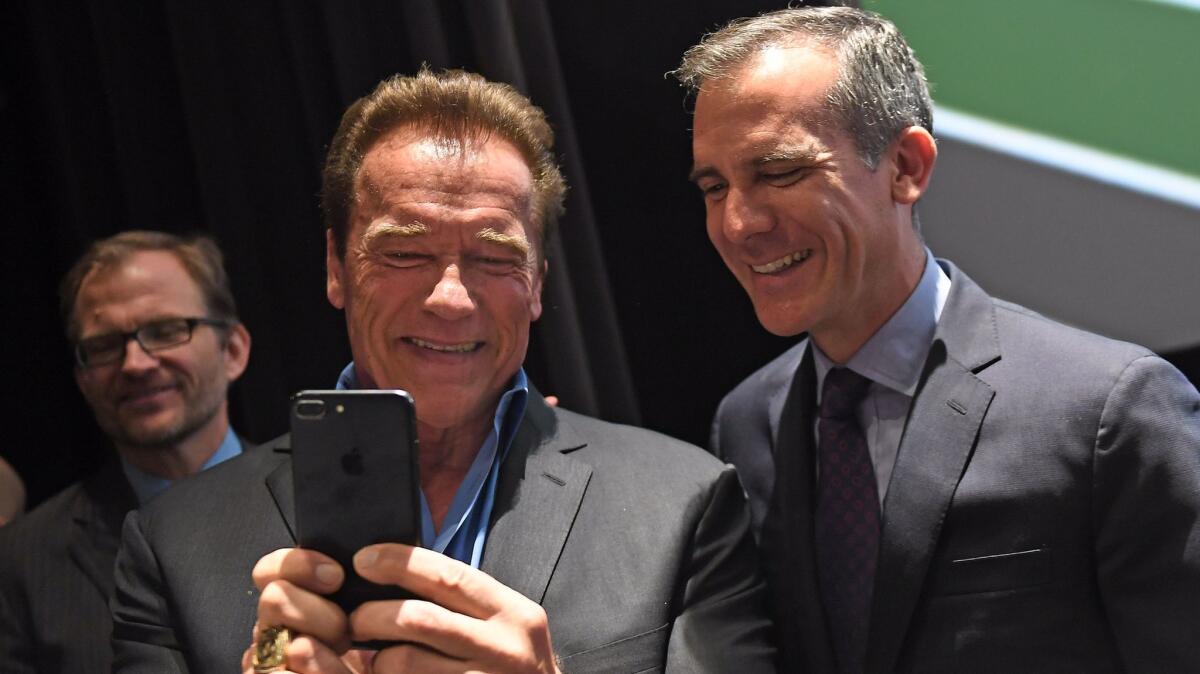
x=214 y=117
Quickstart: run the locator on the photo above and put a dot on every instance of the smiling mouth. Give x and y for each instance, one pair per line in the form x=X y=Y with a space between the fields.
x=782 y=263
x=143 y=394
x=465 y=347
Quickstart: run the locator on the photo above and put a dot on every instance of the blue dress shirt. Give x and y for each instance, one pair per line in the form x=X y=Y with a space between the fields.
x=892 y=359
x=146 y=485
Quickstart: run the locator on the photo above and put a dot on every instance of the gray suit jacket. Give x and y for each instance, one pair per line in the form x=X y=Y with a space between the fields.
x=637 y=545
x=56 y=577
x=1043 y=514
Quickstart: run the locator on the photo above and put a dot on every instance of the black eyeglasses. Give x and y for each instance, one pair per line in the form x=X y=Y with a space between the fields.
x=156 y=336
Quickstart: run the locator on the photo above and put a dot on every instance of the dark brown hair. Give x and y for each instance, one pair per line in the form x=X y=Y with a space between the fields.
x=452 y=105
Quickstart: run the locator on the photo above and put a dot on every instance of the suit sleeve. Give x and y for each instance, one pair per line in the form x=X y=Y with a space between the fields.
x=1147 y=516
x=722 y=626
x=143 y=637
x=16 y=641
x=714 y=433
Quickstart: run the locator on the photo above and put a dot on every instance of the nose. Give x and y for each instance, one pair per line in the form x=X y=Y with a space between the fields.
x=450 y=298
x=137 y=360
x=744 y=216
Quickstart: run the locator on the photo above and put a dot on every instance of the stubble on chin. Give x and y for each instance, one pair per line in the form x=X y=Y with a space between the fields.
x=190 y=418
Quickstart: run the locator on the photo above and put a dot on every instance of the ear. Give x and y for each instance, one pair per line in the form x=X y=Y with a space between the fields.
x=334 y=273
x=535 y=302
x=80 y=375
x=237 y=351
x=913 y=156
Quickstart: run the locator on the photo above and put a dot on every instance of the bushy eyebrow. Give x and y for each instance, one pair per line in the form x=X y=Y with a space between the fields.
x=516 y=243
x=378 y=230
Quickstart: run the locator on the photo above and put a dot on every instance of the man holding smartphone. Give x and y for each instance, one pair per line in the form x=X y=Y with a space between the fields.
x=559 y=542
x=157 y=344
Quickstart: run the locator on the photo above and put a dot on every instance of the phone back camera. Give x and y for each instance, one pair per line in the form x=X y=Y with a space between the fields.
x=310 y=409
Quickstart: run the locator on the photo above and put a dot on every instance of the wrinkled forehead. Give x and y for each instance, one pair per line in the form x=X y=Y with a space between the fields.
x=139 y=280
x=470 y=167
x=137 y=270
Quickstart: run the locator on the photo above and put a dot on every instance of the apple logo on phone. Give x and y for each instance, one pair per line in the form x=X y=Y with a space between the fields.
x=352 y=462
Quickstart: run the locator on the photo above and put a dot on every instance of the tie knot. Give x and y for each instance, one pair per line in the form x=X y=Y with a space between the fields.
x=841 y=393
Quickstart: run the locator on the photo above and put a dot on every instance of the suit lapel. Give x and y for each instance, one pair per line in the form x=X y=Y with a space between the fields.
x=788 y=527
x=539 y=493
x=943 y=424
x=98 y=513
x=781 y=390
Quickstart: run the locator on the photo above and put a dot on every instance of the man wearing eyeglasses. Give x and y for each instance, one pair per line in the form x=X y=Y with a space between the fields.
x=157 y=344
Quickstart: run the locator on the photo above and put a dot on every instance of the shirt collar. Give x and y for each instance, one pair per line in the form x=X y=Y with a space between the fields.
x=472 y=505
x=895 y=354
x=347 y=380
x=145 y=485
x=514 y=398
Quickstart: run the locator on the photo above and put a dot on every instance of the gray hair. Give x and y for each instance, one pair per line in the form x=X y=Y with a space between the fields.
x=880 y=90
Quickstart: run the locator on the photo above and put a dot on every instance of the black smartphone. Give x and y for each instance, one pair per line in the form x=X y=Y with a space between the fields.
x=354 y=467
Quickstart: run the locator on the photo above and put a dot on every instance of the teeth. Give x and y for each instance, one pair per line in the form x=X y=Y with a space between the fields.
x=452 y=348
x=781 y=263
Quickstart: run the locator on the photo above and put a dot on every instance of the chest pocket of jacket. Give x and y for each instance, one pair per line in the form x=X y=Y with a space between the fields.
x=643 y=652
x=994 y=573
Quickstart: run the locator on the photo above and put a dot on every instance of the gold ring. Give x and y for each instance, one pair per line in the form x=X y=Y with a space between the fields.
x=270 y=651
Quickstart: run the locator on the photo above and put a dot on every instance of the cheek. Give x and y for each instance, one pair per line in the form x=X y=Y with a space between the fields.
x=369 y=314
x=385 y=300
x=729 y=257
x=512 y=302
x=370 y=287
x=361 y=279
x=93 y=387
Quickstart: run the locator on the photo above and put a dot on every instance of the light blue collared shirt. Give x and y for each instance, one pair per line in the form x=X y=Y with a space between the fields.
x=464 y=529
x=893 y=359
x=146 y=486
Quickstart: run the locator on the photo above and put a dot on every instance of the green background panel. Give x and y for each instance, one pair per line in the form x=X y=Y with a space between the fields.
x=1119 y=75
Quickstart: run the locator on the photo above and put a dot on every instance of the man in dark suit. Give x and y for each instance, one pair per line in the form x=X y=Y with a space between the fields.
x=552 y=540
x=157 y=343
x=941 y=481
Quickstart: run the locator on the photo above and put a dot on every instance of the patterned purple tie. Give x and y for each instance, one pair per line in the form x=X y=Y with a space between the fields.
x=847 y=520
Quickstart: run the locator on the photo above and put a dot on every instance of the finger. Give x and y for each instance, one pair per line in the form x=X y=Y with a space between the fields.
x=436 y=577
x=359 y=660
x=306 y=655
x=282 y=603
x=306 y=568
x=422 y=622
x=404 y=658
x=552 y=401
x=248 y=658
